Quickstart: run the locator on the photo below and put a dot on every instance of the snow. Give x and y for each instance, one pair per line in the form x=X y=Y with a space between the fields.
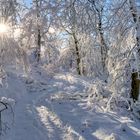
x=54 y=108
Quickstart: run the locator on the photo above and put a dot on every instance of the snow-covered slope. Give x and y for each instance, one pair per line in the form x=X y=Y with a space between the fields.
x=54 y=108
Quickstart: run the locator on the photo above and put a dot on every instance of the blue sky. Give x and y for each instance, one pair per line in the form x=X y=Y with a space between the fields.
x=28 y=2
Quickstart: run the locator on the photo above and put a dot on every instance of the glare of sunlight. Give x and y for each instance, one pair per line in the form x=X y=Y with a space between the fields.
x=3 y=28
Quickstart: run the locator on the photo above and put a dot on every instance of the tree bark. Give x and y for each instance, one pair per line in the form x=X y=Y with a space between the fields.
x=103 y=44
x=74 y=27
x=136 y=18
x=38 y=51
x=77 y=54
x=38 y=48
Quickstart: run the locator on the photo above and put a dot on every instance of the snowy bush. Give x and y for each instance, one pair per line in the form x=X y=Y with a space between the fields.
x=102 y=97
x=98 y=95
x=135 y=108
x=6 y=110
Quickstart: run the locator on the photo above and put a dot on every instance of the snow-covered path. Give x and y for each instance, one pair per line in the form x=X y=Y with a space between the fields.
x=25 y=124
x=43 y=112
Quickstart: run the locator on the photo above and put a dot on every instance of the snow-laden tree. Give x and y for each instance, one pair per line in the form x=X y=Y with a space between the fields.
x=96 y=15
x=99 y=37
x=69 y=23
x=10 y=52
x=36 y=25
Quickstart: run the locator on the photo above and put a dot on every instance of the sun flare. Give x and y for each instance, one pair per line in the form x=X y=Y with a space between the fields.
x=3 y=28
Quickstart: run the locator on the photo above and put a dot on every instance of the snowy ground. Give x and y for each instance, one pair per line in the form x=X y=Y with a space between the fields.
x=52 y=108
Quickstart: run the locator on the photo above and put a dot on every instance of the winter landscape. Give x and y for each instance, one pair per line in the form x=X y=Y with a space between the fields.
x=69 y=69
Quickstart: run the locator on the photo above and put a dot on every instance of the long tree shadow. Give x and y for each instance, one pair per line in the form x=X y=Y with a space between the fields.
x=65 y=122
x=74 y=120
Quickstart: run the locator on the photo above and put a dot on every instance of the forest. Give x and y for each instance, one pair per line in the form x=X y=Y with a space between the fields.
x=69 y=69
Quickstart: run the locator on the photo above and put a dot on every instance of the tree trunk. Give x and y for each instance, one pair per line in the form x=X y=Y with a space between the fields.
x=77 y=54
x=38 y=48
x=135 y=86
x=98 y=11
x=103 y=44
x=136 y=19
x=38 y=51
x=74 y=27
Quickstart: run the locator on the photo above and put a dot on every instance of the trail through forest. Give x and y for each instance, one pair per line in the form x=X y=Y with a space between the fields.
x=55 y=109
